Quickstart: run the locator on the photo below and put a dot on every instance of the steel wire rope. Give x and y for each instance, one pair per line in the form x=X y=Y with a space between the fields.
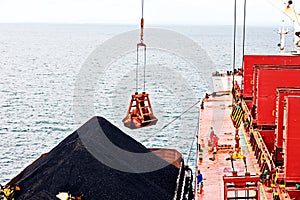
x=291 y=3
x=296 y=21
x=142 y=9
x=190 y=150
x=142 y=23
x=145 y=60
x=142 y=35
x=234 y=37
x=145 y=69
x=137 y=69
x=244 y=40
x=141 y=44
x=165 y=126
x=137 y=50
x=234 y=45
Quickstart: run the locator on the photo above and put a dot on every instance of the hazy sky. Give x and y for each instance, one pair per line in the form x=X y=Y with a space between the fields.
x=259 y=12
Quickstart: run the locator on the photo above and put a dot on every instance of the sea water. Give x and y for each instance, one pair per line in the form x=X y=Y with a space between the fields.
x=40 y=64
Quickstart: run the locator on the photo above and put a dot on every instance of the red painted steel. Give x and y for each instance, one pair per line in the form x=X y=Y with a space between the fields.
x=294 y=194
x=241 y=183
x=291 y=139
x=267 y=81
x=280 y=94
x=251 y=60
x=269 y=139
x=263 y=67
x=248 y=103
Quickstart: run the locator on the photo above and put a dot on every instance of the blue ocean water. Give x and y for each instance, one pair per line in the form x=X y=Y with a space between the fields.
x=40 y=64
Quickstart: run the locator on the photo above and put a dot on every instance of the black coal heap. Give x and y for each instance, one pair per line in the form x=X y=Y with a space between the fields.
x=70 y=167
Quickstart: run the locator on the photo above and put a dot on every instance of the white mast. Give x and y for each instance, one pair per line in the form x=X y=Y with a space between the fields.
x=287 y=8
x=282 y=32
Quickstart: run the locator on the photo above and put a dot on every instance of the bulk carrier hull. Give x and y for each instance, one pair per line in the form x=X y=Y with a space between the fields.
x=256 y=155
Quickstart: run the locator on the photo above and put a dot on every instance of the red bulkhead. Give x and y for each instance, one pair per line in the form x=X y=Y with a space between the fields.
x=267 y=81
x=281 y=93
x=251 y=60
x=291 y=139
x=269 y=138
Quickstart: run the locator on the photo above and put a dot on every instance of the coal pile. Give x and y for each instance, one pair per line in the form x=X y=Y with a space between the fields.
x=70 y=167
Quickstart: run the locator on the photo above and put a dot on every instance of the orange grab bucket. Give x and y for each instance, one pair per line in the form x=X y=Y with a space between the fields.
x=140 y=112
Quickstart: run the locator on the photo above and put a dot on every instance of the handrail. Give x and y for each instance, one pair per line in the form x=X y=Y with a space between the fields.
x=257 y=136
x=261 y=144
x=179 y=182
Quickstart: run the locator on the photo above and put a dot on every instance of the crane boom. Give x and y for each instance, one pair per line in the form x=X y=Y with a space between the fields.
x=289 y=11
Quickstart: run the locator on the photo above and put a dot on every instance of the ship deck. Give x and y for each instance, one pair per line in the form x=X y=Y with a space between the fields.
x=216 y=114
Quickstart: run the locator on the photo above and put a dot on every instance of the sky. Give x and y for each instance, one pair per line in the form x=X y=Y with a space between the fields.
x=173 y=12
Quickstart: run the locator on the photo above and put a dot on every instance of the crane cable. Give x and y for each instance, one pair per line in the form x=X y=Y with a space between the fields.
x=165 y=126
x=289 y=4
x=191 y=147
x=244 y=39
x=137 y=65
x=141 y=44
x=142 y=23
x=137 y=70
x=234 y=46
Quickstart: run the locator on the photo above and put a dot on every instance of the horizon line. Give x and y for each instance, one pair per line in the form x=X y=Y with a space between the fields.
x=132 y=24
